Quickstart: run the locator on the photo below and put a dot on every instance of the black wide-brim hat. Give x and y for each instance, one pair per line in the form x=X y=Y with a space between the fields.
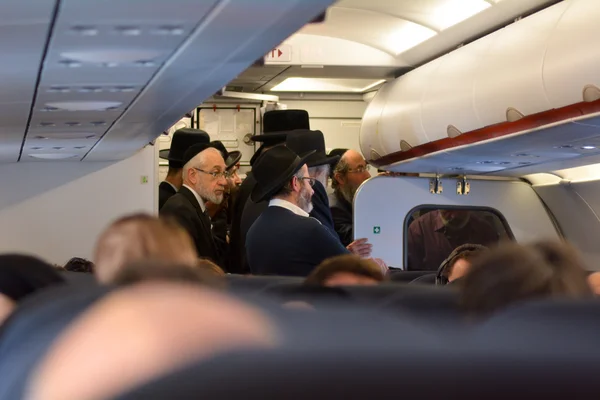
x=302 y=141
x=277 y=124
x=231 y=157
x=273 y=170
x=182 y=140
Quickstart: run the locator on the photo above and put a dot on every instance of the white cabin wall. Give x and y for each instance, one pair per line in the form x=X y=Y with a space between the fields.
x=339 y=120
x=56 y=210
x=576 y=208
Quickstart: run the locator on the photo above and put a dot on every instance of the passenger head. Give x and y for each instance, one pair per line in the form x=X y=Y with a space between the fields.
x=299 y=190
x=205 y=173
x=513 y=273
x=459 y=262
x=151 y=270
x=455 y=218
x=594 y=282
x=320 y=173
x=141 y=332
x=233 y=179
x=350 y=172
x=141 y=237
x=21 y=276
x=77 y=264
x=209 y=267
x=345 y=270
x=282 y=174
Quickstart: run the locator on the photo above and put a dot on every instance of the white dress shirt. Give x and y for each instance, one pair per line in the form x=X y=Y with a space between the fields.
x=286 y=204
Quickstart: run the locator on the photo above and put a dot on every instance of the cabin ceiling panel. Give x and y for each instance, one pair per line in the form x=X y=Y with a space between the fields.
x=26 y=12
x=101 y=55
x=205 y=65
x=24 y=27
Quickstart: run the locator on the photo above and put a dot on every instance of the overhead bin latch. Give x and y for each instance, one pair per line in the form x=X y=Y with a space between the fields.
x=463 y=187
x=435 y=185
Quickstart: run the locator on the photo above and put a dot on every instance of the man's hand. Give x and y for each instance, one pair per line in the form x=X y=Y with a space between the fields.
x=382 y=265
x=361 y=248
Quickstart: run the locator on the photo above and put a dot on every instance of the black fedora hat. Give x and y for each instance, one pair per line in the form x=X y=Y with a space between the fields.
x=302 y=141
x=273 y=169
x=231 y=157
x=277 y=123
x=182 y=140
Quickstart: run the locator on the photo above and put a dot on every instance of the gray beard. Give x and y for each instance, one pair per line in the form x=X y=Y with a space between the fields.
x=347 y=193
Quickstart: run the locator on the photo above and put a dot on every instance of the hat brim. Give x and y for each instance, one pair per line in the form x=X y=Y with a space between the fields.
x=263 y=192
x=164 y=154
x=270 y=137
x=232 y=159
x=323 y=161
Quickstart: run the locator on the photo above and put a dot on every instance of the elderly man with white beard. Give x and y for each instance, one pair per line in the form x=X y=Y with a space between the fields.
x=204 y=180
x=285 y=240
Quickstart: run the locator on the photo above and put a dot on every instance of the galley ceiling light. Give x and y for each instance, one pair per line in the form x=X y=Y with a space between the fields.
x=297 y=84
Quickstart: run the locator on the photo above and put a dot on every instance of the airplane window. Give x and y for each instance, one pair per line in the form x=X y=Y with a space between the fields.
x=432 y=233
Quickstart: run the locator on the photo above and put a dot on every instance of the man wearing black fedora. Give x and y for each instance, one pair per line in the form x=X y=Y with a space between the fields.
x=276 y=126
x=285 y=240
x=302 y=141
x=220 y=214
x=204 y=180
x=182 y=140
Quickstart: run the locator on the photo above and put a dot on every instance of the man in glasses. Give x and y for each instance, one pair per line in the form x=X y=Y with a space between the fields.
x=285 y=240
x=204 y=180
x=349 y=173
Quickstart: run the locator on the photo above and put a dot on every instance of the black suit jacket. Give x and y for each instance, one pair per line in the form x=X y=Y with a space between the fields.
x=341 y=211
x=283 y=243
x=320 y=211
x=165 y=191
x=237 y=236
x=184 y=207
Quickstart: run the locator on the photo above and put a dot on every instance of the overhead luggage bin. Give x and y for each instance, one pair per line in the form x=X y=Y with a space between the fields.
x=529 y=78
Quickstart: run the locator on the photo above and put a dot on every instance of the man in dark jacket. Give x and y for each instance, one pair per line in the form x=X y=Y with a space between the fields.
x=349 y=173
x=182 y=140
x=319 y=165
x=285 y=240
x=276 y=125
x=204 y=179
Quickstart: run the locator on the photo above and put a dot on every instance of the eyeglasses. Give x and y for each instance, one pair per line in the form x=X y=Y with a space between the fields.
x=360 y=169
x=311 y=181
x=216 y=175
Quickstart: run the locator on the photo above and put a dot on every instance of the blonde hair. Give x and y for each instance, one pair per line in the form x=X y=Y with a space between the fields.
x=206 y=265
x=140 y=237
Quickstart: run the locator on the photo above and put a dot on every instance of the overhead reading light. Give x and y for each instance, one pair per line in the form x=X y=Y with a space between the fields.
x=326 y=85
x=111 y=56
x=83 y=105
x=588 y=147
x=53 y=156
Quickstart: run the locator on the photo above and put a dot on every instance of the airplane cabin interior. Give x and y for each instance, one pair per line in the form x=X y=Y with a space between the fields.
x=402 y=191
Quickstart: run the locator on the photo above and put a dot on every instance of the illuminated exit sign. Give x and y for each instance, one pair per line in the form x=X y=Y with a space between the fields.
x=281 y=53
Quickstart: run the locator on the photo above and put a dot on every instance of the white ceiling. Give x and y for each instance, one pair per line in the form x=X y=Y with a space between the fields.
x=411 y=31
x=98 y=79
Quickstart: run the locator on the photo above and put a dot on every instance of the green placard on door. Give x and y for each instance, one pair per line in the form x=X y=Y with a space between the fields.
x=377 y=230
